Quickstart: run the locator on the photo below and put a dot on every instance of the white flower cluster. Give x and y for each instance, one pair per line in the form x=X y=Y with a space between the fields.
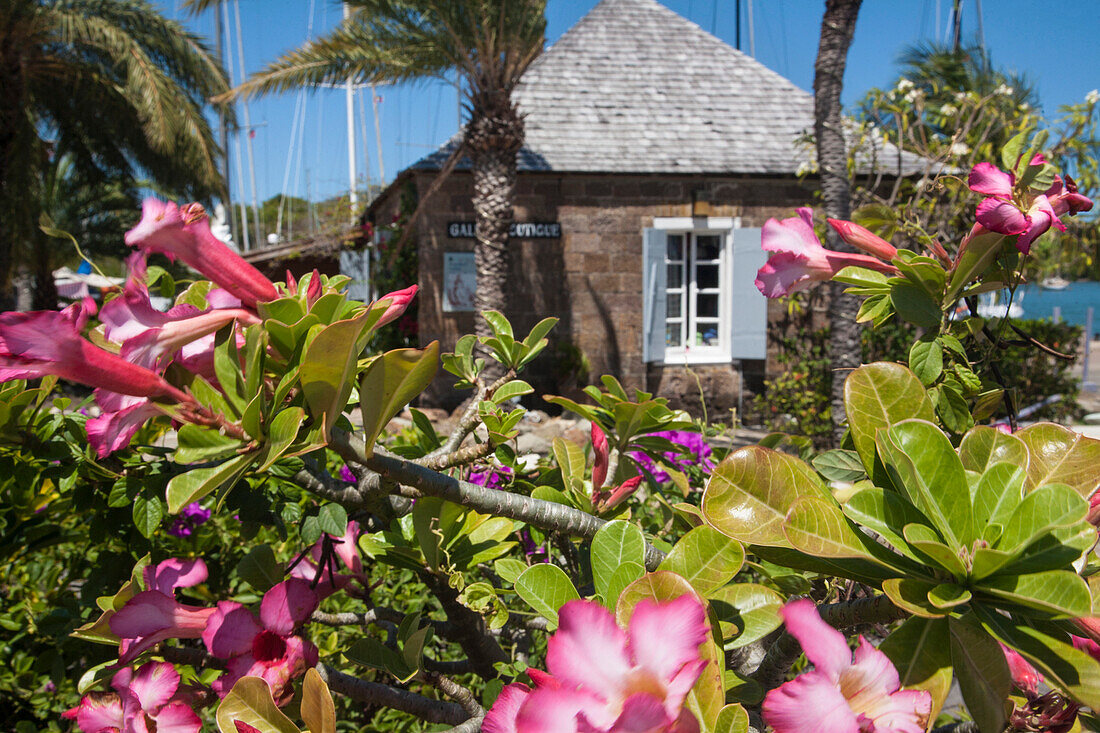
x=1093 y=97
x=1005 y=90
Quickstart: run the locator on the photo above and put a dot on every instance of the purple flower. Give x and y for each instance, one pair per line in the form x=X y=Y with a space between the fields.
x=491 y=477
x=192 y=516
x=698 y=454
x=347 y=475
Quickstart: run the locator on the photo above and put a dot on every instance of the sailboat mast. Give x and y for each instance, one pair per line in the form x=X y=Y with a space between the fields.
x=223 y=130
x=349 y=93
x=248 y=127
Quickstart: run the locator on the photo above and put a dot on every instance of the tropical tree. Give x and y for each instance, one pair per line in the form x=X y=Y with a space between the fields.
x=489 y=43
x=112 y=83
x=837 y=27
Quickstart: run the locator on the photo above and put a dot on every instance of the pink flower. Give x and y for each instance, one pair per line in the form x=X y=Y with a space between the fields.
x=326 y=582
x=863 y=239
x=266 y=648
x=155 y=615
x=799 y=258
x=141 y=703
x=606 y=680
x=184 y=232
x=608 y=499
x=49 y=342
x=1005 y=217
x=398 y=301
x=1064 y=198
x=841 y=694
x=1024 y=676
x=600 y=459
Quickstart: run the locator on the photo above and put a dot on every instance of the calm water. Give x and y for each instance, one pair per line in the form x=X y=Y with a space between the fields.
x=1074 y=301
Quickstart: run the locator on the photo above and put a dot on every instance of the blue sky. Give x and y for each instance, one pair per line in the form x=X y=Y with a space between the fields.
x=1057 y=49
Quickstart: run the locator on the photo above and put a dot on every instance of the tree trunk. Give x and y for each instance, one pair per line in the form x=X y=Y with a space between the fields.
x=45 y=289
x=11 y=81
x=493 y=140
x=837 y=28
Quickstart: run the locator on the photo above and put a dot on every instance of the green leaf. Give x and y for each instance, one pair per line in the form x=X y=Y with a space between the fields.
x=952 y=408
x=329 y=364
x=373 y=653
x=839 y=465
x=884 y=511
x=546 y=588
x=982 y=671
x=1013 y=149
x=948 y=596
x=318 y=710
x=615 y=543
x=147 y=515
x=751 y=490
x=260 y=569
x=509 y=569
x=333 y=519
x=1048 y=507
x=1060 y=456
x=511 y=389
x=746 y=612
x=877 y=396
x=198 y=482
x=983 y=446
x=200 y=444
x=927 y=541
x=570 y=458
x=498 y=323
x=706 y=558
x=978 y=253
x=912 y=595
x=923 y=463
x=250 y=702
x=1060 y=592
x=914 y=304
x=926 y=360
x=281 y=434
x=732 y=719
x=921 y=651
x=623 y=576
x=817 y=527
x=998 y=493
x=1050 y=650
x=390 y=382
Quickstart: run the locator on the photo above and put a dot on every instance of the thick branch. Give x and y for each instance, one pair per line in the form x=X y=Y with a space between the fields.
x=473 y=725
x=374 y=693
x=460 y=457
x=785 y=650
x=455 y=691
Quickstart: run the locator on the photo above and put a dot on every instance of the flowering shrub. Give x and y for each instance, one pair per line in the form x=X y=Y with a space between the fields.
x=393 y=583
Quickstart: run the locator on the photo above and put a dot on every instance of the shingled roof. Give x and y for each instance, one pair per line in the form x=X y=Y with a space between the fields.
x=635 y=88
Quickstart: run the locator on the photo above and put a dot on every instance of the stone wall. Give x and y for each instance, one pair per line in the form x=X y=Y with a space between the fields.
x=592 y=277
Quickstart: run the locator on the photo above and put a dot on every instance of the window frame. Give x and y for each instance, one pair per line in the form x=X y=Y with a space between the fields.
x=692 y=228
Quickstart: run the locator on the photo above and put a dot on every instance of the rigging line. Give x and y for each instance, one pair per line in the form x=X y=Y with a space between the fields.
x=245 y=237
x=366 y=141
x=298 y=109
x=249 y=130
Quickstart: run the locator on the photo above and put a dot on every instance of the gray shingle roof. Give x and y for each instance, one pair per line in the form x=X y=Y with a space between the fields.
x=635 y=88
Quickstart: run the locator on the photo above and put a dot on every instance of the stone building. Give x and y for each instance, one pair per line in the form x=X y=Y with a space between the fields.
x=654 y=153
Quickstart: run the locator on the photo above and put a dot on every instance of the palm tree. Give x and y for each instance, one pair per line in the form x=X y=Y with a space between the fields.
x=837 y=27
x=114 y=84
x=489 y=43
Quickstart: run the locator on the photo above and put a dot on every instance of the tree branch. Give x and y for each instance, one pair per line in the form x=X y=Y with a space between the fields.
x=460 y=457
x=374 y=693
x=455 y=691
x=469 y=419
x=785 y=650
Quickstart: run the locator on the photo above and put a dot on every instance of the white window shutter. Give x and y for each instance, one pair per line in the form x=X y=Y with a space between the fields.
x=653 y=289
x=749 y=321
x=356 y=265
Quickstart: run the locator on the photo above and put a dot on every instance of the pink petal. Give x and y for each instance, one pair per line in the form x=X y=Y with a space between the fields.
x=810 y=702
x=99 y=711
x=1001 y=216
x=222 y=298
x=863 y=239
x=154 y=684
x=177 y=717
x=686 y=723
x=1024 y=676
x=795 y=235
x=785 y=273
x=548 y=710
x=599 y=457
x=823 y=645
x=641 y=712
x=677 y=689
x=287 y=605
x=501 y=718
x=348 y=549
x=589 y=649
x=1040 y=217
x=398 y=302
x=990 y=180
x=906 y=711
x=175 y=573
x=666 y=636
x=113 y=431
x=871 y=678
x=230 y=631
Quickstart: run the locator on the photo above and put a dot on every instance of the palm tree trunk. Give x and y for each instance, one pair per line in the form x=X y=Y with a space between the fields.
x=11 y=81
x=837 y=28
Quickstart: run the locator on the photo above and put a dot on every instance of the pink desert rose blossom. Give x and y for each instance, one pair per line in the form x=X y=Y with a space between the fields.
x=155 y=615
x=142 y=702
x=603 y=679
x=863 y=239
x=398 y=302
x=265 y=648
x=600 y=457
x=346 y=549
x=800 y=260
x=183 y=232
x=843 y=694
x=1024 y=676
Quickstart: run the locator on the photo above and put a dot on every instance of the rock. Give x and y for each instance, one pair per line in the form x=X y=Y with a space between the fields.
x=532 y=443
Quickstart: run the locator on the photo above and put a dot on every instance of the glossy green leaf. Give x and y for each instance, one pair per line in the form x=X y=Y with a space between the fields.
x=390 y=382
x=333 y=519
x=927 y=541
x=978 y=253
x=839 y=465
x=281 y=434
x=948 y=595
x=328 y=366
x=999 y=491
x=370 y=652
x=952 y=408
x=615 y=543
x=147 y=514
x=707 y=697
x=912 y=595
x=1051 y=651
x=1053 y=551
x=877 y=396
x=515 y=388
x=982 y=672
x=1048 y=507
x=914 y=304
x=201 y=444
x=1060 y=456
x=260 y=569
x=706 y=558
x=746 y=612
x=923 y=463
x=1060 y=592
x=926 y=360
x=817 y=527
x=571 y=461
x=546 y=588
x=884 y=511
x=623 y=576
x=984 y=446
x=751 y=490
x=198 y=482
x=921 y=651
x=732 y=719
x=251 y=703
